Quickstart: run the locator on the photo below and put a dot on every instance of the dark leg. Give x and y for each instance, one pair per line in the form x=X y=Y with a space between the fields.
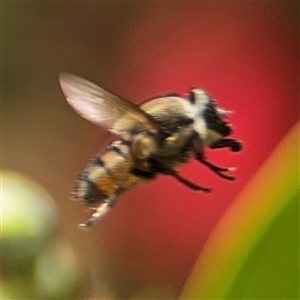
x=186 y=182
x=160 y=168
x=234 y=145
x=219 y=171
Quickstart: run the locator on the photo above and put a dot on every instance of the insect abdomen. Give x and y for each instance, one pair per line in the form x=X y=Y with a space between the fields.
x=109 y=173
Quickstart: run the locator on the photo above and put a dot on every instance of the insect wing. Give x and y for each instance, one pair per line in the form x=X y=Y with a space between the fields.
x=102 y=107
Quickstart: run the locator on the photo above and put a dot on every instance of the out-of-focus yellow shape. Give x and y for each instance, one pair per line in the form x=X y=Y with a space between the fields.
x=16 y=288
x=58 y=273
x=251 y=214
x=28 y=219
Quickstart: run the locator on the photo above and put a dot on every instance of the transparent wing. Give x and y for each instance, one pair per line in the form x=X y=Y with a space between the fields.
x=104 y=108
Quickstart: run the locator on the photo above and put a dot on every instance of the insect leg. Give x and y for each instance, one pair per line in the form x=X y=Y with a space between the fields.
x=218 y=170
x=100 y=212
x=185 y=181
x=105 y=207
x=234 y=145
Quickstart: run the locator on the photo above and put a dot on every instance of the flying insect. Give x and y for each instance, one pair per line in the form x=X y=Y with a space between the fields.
x=154 y=138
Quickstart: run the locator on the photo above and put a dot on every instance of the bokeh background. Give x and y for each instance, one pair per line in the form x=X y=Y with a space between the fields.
x=245 y=54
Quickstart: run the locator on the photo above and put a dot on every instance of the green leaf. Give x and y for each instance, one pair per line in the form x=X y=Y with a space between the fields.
x=219 y=270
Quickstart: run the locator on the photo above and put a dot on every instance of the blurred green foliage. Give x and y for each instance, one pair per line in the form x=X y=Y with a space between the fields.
x=272 y=268
x=253 y=252
x=36 y=262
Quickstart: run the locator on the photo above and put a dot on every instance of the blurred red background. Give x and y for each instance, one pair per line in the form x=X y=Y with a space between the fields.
x=245 y=54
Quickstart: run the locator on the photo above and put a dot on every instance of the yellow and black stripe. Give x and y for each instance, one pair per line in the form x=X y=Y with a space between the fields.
x=111 y=172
